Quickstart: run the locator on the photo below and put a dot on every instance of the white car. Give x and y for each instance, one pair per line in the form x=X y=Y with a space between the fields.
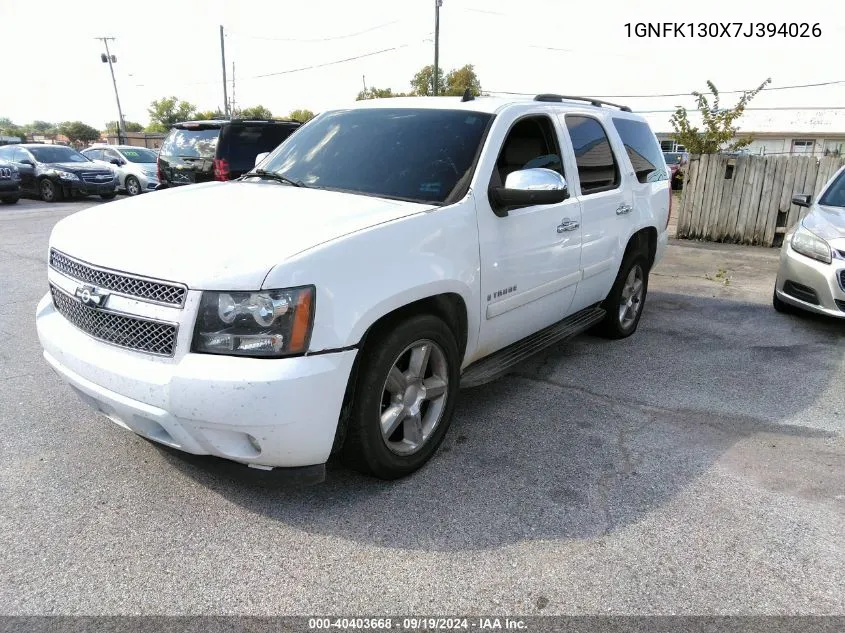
x=811 y=275
x=334 y=299
x=136 y=167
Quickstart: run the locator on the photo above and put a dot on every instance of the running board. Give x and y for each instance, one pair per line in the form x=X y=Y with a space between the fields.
x=500 y=362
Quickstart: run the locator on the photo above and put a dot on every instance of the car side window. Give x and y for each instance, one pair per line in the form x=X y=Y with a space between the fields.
x=110 y=154
x=94 y=154
x=642 y=148
x=531 y=142
x=598 y=169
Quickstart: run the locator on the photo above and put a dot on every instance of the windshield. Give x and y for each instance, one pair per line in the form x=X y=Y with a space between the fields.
x=419 y=155
x=57 y=154
x=835 y=194
x=191 y=143
x=139 y=155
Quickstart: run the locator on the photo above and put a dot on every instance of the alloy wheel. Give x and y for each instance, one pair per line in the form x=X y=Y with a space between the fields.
x=631 y=298
x=414 y=397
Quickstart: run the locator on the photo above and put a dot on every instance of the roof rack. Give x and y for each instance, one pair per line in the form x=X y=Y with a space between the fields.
x=553 y=98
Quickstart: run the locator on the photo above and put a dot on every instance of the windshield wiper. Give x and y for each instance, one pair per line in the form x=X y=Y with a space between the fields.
x=271 y=175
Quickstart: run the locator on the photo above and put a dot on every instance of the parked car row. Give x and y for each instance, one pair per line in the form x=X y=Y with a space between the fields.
x=677 y=163
x=54 y=172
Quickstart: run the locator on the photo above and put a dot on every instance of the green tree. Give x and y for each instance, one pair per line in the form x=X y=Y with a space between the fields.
x=378 y=93
x=207 y=115
x=255 y=112
x=423 y=82
x=41 y=127
x=458 y=80
x=78 y=131
x=718 y=130
x=302 y=115
x=131 y=126
x=7 y=128
x=166 y=111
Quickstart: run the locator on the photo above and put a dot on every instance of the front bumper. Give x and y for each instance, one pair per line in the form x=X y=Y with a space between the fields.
x=10 y=187
x=83 y=188
x=261 y=412
x=148 y=183
x=797 y=272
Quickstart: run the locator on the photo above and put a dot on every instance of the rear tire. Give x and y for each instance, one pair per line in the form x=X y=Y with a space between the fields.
x=404 y=397
x=49 y=191
x=10 y=199
x=625 y=301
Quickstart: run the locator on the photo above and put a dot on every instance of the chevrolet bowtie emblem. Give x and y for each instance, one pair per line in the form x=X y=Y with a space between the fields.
x=91 y=296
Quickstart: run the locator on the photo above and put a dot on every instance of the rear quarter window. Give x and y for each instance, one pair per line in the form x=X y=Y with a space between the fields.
x=239 y=144
x=642 y=148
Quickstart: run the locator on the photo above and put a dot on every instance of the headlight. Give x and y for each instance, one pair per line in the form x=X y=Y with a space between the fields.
x=810 y=245
x=269 y=323
x=66 y=175
x=150 y=173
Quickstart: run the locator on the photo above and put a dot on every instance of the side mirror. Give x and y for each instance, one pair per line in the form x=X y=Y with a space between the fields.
x=26 y=161
x=261 y=157
x=802 y=199
x=116 y=161
x=526 y=188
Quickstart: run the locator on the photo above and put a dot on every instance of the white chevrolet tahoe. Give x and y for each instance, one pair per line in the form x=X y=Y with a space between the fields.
x=334 y=299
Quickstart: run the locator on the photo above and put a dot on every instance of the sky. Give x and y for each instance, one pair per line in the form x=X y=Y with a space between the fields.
x=532 y=46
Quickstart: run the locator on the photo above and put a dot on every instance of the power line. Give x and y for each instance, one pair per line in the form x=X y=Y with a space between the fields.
x=676 y=94
x=332 y=63
x=318 y=39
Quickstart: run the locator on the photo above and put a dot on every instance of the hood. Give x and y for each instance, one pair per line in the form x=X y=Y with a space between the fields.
x=218 y=235
x=75 y=167
x=827 y=222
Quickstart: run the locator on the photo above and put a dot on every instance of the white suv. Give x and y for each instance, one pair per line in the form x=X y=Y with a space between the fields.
x=334 y=299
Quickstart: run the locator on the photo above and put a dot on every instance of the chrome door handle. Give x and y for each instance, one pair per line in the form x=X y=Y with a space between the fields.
x=568 y=225
x=622 y=209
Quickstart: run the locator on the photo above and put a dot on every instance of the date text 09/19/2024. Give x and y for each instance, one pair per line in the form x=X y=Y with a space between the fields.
x=419 y=624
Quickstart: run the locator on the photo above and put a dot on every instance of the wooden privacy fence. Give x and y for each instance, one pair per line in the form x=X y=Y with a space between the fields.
x=748 y=199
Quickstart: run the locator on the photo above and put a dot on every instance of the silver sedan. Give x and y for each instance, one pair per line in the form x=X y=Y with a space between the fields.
x=811 y=275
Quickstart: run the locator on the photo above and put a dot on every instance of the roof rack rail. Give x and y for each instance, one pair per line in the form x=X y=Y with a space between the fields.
x=553 y=98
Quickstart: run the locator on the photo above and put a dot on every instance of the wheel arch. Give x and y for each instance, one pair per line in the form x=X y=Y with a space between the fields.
x=644 y=240
x=451 y=307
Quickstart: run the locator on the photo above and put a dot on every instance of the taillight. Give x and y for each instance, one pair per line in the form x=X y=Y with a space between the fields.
x=669 y=215
x=159 y=173
x=221 y=169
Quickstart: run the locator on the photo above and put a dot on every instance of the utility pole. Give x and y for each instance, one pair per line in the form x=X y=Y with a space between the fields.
x=108 y=57
x=233 y=89
x=437 y=5
x=223 y=60
x=364 y=79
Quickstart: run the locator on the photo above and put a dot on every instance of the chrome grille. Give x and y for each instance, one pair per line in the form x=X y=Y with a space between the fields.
x=144 y=335
x=94 y=177
x=139 y=287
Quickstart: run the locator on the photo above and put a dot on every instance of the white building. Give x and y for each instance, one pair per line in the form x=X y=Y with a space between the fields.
x=810 y=132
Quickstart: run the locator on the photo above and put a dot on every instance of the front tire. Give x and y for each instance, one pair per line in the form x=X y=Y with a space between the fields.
x=624 y=304
x=132 y=186
x=10 y=199
x=782 y=306
x=404 y=398
x=49 y=191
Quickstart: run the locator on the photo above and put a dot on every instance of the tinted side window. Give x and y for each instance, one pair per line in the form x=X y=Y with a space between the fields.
x=597 y=168
x=642 y=149
x=239 y=144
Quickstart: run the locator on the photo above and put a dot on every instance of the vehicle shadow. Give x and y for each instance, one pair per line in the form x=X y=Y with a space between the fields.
x=583 y=439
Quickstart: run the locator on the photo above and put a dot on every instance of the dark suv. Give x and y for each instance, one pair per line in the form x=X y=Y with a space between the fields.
x=53 y=172
x=198 y=151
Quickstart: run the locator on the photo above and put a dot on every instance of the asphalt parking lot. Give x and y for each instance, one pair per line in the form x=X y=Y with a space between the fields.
x=695 y=468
